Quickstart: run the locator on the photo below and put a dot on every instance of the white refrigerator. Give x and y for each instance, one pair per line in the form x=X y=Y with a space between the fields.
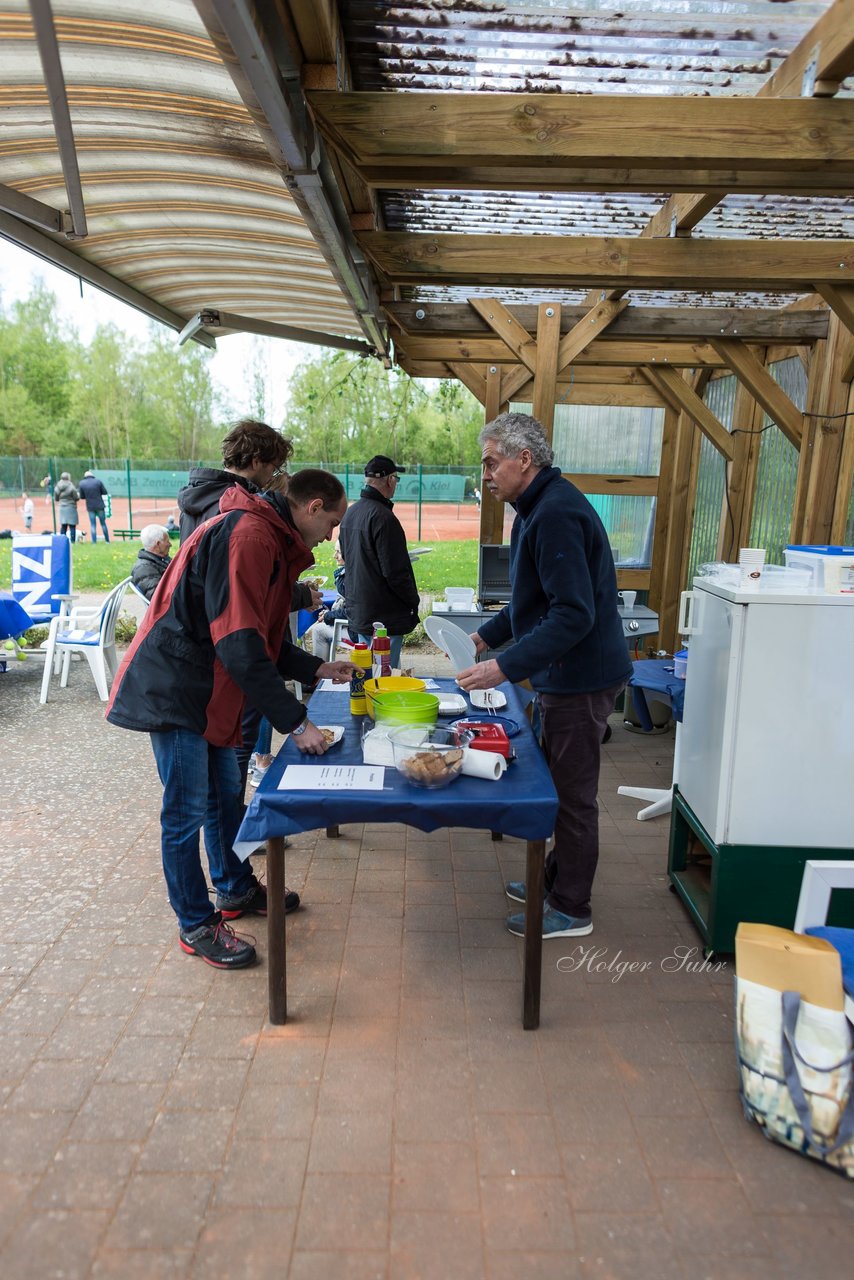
x=767 y=737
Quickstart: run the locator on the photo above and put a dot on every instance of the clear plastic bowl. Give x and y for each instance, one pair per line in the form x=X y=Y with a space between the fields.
x=429 y=758
x=459 y=598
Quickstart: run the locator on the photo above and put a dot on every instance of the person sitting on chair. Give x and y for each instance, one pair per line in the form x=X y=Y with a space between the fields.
x=153 y=559
x=323 y=630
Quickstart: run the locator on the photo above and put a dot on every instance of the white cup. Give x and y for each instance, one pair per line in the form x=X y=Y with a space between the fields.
x=628 y=598
x=752 y=561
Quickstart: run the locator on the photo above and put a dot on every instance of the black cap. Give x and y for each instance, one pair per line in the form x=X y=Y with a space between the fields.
x=382 y=466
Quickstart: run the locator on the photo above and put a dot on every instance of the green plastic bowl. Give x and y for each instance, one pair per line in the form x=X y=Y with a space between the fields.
x=406 y=708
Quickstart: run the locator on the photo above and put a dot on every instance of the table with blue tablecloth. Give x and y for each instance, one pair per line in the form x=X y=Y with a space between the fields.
x=655 y=681
x=14 y=621
x=651 y=677
x=521 y=803
x=307 y=617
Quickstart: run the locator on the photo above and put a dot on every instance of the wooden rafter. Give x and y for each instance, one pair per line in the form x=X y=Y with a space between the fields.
x=750 y=370
x=599 y=142
x=751 y=324
x=682 y=397
x=597 y=352
x=598 y=261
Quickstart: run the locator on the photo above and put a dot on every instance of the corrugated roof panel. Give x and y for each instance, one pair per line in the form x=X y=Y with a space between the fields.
x=659 y=46
x=182 y=199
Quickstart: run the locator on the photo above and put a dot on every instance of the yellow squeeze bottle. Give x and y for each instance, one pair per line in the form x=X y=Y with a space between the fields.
x=360 y=657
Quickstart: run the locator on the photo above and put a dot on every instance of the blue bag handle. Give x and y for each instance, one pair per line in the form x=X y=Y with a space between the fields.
x=790 y=1051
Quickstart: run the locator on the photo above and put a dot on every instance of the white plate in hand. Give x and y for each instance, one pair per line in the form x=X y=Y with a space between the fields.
x=487 y=699
x=456 y=643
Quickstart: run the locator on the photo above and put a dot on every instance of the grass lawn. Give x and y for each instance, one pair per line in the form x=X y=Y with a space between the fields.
x=99 y=566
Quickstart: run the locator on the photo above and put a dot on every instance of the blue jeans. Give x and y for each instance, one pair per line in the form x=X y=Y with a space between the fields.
x=94 y=517
x=396 y=647
x=201 y=788
x=264 y=741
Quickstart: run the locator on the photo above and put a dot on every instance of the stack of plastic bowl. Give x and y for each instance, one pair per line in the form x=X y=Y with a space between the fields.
x=390 y=684
x=459 y=599
x=406 y=708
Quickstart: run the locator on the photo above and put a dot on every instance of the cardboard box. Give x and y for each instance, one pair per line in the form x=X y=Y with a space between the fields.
x=787 y=961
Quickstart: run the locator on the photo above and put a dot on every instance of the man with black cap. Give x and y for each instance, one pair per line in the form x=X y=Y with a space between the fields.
x=380 y=581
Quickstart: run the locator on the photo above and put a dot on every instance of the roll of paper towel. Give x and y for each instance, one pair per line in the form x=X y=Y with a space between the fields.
x=483 y=764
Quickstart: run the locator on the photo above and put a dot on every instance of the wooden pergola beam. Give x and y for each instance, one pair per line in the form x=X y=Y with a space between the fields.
x=683 y=399
x=750 y=370
x=751 y=324
x=688 y=355
x=608 y=262
x=597 y=142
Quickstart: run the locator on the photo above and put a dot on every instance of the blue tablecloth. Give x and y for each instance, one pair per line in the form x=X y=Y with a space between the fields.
x=13 y=620
x=521 y=803
x=307 y=617
x=652 y=674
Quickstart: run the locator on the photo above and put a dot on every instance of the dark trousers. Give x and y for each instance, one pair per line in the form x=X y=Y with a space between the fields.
x=572 y=729
x=249 y=727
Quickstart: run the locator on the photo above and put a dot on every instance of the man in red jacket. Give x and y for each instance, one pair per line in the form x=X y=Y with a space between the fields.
x=212 y=637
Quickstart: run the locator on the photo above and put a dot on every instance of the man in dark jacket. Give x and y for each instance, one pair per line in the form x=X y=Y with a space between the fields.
x=567 y=640
x=93 y=492
x=213 y=636
x=380 y=581
x=153 y=559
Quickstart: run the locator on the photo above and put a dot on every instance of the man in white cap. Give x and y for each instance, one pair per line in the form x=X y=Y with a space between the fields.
x=380 y=582
x=93 y=492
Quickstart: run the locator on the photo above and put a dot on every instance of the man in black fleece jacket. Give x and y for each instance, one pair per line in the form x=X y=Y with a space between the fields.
x=567 y=640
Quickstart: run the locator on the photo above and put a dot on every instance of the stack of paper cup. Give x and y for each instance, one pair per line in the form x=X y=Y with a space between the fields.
x=751 y=560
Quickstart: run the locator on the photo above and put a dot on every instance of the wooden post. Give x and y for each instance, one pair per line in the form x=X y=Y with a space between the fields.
x=828 y=398
x=545 y=378
x=677 y=549
x=747 y=418
x=491 y=512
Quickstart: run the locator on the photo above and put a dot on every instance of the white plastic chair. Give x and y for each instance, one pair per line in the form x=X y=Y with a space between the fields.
x=90 y=632
x=819 y=880
x=339 y=629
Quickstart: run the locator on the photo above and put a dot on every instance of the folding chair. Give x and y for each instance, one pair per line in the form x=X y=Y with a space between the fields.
x=819 y=880
x=90 y=632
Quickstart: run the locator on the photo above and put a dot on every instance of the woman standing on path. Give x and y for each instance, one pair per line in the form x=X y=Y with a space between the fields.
x=67 y=496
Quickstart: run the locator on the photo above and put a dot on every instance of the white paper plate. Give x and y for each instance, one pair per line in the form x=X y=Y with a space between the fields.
x=483 y=699
x=456 y=643
x=337 y=730
x=452 y=704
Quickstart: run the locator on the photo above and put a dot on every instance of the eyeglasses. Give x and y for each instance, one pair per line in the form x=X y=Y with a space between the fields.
x=394 y=476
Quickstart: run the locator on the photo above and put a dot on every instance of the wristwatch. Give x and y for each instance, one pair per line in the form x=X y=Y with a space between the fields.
x=301 y=728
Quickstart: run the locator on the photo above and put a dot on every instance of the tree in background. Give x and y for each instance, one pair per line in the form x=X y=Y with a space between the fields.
x=105 y=400
x=345 y=408
x=34 y=373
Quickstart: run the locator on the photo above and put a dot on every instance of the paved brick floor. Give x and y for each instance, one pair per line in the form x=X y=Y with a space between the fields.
x=153 y=1124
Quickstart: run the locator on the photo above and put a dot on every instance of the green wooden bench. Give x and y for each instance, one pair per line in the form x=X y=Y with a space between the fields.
x=124 y=534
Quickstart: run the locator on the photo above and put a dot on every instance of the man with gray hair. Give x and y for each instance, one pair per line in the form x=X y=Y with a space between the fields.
x=153 y=559
x=567 y=639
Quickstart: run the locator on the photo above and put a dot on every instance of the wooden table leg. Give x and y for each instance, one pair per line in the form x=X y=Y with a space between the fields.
x=535 y=882
x=332 y=833
x=276 y=958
